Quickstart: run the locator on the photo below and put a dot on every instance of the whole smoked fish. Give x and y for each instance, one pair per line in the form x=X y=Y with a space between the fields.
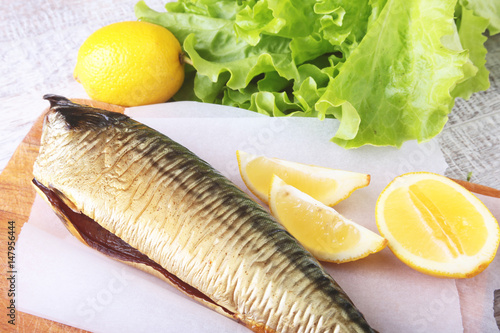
x=137 y=196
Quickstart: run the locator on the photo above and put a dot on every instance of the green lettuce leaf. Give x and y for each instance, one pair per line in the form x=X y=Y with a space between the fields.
x=388 y=70
x=397 y=82
x=470 y=32
x=214 y=48
x=489 y=9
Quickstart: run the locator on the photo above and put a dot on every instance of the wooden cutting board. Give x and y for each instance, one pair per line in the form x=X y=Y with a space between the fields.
x=17 y=197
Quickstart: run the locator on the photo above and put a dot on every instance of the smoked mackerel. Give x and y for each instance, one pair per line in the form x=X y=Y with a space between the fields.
x=137 y=196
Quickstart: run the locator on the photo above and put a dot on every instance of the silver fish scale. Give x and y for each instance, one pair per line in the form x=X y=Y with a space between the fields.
x=164 y=201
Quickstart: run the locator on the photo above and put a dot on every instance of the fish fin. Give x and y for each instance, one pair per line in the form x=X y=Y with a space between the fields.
x=57 y=100
x=82 y=116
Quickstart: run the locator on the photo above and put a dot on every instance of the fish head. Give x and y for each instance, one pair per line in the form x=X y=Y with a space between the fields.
x=71 y=136
x=66 y=117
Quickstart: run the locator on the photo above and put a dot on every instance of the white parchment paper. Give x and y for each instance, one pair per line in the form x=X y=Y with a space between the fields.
x=63 y=280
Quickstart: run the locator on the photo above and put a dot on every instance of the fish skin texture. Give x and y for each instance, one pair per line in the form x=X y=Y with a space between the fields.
x=164 y=201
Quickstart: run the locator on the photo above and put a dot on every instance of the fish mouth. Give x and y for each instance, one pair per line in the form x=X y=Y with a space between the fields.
x=94 y=235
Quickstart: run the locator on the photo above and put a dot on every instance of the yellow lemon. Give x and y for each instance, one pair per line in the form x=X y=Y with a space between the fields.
x=130 y=63
x=324 y=232
x=437 y=226
x=324 y=184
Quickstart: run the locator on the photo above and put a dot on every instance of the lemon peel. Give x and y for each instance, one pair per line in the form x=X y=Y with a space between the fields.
x=436 y=226
x=327 y=185
x=323 y=231
x=130 y=63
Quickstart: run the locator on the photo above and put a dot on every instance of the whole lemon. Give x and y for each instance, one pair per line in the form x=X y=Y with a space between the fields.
x=130 y=63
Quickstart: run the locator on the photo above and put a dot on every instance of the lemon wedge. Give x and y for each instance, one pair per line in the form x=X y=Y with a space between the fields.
x=436 y=226
x=329 y=186
x=321 y=229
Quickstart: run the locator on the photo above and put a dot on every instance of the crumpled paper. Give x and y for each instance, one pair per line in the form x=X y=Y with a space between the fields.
x=63 y=280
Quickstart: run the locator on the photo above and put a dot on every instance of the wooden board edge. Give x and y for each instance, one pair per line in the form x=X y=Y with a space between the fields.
x=479 y=189
x=17 y=191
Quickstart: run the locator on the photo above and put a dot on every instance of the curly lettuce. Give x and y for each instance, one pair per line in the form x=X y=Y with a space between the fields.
x=388 y=70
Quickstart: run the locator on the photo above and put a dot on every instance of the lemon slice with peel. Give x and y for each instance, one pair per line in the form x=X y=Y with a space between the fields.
x=436 y=226
x=329 y=186
x=321 y=229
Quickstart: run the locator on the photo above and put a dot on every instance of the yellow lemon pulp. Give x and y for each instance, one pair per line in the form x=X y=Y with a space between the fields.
x=130 y=63
x=326 y=185
x=261 y=170
x=436 y=226
x=328 y=235
x=326 y=230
